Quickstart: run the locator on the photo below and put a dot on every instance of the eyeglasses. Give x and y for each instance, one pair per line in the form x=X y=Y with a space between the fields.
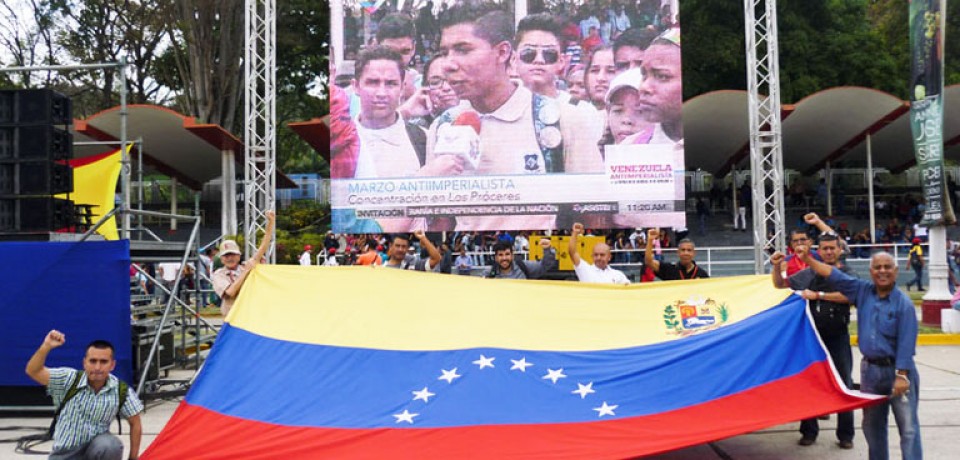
x=436 y=83
x=550 y=55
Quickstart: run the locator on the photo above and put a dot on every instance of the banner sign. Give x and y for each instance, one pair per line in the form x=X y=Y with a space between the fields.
x=639 y=183
x=927 y=19
x=556 y=121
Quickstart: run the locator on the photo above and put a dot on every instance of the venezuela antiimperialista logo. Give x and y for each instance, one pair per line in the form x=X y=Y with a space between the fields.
x=695 y=315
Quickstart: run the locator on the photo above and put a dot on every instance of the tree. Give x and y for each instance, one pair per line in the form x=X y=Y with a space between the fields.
x=104 y=31
x=303 y=37
x=27 y=35
x=823 y=43
x=208 y=59
x=713 y=46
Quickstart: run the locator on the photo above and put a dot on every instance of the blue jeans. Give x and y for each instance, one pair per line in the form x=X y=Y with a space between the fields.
x=918 y=277
x=879 y=380
x=103 y=447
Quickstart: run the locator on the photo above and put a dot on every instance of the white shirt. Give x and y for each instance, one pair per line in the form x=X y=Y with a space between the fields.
x=386 y=152
x=520 y=243
x=588 y=273
x=305 y=258
x=919 y=230
x=169 y=271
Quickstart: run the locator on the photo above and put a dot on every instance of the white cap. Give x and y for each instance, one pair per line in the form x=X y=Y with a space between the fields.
x=629 y=79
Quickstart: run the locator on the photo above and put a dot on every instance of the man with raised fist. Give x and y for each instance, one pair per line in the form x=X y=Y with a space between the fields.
x=87 y=402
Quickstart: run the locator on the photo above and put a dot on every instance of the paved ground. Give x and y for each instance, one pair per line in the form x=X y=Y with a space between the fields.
x=939 y=368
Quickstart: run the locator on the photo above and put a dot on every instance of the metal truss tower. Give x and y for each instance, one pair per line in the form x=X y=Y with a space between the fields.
x=766 y=152
x=260 y=116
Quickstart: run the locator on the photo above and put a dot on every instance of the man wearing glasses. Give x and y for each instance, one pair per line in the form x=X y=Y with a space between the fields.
x=798 y=237
x=434 y=98
x=540 y=57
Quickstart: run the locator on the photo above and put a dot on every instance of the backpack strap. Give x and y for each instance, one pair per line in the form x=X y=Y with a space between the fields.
x=418 y=139
x=495 y=269
x=522 y=265
x=122 y=390
x=72 y=391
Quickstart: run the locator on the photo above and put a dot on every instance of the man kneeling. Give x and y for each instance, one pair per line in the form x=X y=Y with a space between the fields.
x=87 y=402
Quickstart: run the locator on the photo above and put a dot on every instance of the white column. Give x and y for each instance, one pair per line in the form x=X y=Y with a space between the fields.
x=937 y=265
x=828 y=178
x=228 y=193
x=871 y=209
x=519 y=10
x=173 y=203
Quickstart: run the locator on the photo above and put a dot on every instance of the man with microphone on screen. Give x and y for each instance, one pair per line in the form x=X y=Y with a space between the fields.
x=389 y=145
x=501 y=127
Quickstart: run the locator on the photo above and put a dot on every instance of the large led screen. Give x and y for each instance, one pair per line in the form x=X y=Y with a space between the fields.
x=457 y=116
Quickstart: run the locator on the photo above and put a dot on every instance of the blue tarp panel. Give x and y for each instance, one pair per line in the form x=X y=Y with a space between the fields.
x=81 y=289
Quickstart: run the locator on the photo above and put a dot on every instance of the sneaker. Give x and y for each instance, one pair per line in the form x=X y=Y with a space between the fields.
x=845 y=444
x=806 y=441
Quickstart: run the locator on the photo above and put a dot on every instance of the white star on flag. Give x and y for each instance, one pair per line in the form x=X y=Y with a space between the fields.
x=520 y=364
x=449 y=375
x=423 y=394
x=554 y=375
x=584 y=390
x=605 y=409
x=405 y=416
x=484 y=362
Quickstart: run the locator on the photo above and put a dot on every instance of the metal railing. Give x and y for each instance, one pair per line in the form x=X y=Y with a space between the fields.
x=728 y=260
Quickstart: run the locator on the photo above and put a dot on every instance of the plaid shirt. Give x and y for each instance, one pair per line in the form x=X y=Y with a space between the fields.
x=87 y=414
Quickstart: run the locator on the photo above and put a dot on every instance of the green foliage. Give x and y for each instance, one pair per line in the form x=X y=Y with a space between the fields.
x=304 y=216
x=713 y=46
x=670 y=317
x=823 y=43
x=303 y=34
x=290 y=246
x=300 y=224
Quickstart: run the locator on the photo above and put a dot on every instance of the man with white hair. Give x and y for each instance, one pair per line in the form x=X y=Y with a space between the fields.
x=598 y=272
x=887 y=336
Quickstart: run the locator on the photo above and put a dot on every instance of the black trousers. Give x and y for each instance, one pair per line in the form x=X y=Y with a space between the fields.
x=842 y=356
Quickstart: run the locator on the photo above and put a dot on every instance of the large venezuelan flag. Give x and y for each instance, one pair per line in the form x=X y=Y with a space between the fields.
x=355 y=362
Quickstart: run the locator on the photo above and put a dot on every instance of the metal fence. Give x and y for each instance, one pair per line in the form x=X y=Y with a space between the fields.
x=723 y=261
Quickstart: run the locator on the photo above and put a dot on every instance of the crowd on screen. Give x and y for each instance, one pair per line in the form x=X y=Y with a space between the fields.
x=552 y=92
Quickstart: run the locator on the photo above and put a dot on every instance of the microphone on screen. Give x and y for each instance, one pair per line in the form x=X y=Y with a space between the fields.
x=462 y=137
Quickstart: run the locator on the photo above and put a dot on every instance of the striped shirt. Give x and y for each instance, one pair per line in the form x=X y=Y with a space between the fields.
x=88 y=414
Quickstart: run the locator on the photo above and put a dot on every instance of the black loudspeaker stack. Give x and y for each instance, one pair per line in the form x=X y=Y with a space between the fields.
x=35 y=145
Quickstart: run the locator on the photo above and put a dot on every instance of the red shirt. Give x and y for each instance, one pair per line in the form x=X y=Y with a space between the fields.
x=794 y=264
x=590 y=43
x=344 y=141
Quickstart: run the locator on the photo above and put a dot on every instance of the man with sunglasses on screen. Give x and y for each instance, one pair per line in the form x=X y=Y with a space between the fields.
x=540 y=57
x=520 y=132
